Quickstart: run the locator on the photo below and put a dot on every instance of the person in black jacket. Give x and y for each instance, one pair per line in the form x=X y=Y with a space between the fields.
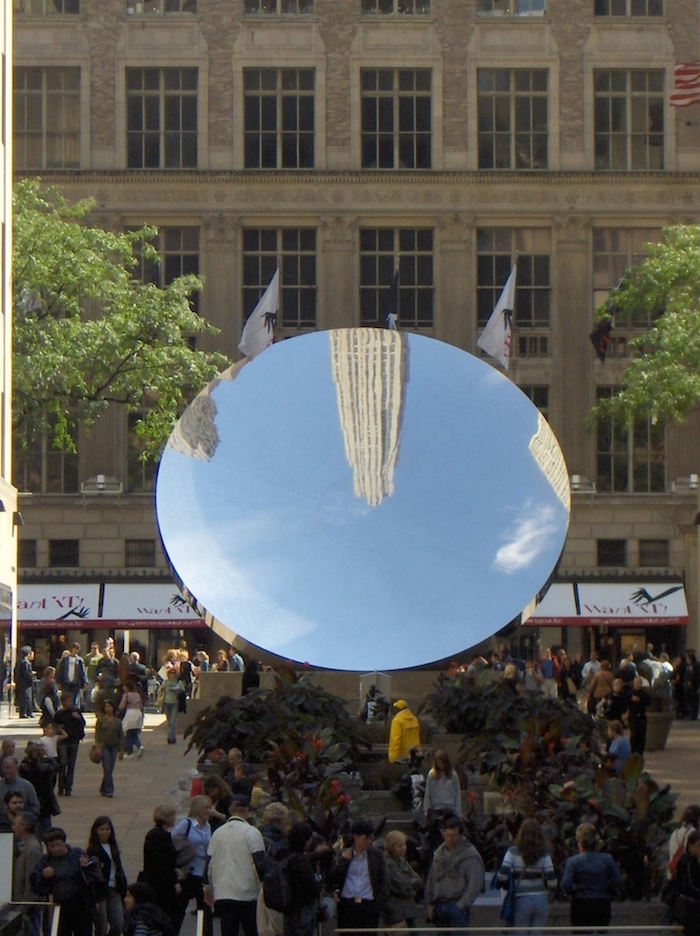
x=59 y=874
x=160 y=866
x=640 y=700
x=73 y=723
x=102 y=845
x=24 y=683
x=362 y=899
x=42 y=776
x=300 y=919
x=687 y=905
x=143 y=916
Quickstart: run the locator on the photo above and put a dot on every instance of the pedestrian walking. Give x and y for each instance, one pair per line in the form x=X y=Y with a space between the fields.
x=109 y=737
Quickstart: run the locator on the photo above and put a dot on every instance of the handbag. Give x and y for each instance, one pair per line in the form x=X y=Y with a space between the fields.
x=184 y=848
x=571 y=686
x=133 y=720
x=95 y=754
x=508 y=905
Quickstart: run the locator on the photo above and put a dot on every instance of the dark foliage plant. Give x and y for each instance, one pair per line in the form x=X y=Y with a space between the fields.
x=266 y=718
x=544 y=756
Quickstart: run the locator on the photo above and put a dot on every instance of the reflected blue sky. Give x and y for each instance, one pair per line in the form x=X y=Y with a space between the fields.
x=272 y=537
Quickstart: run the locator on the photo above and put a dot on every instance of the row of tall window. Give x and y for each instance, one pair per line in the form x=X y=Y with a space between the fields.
x=141 y=553
x=641 y=8
x=65 y=553
x=628 y=459
x=411 y=251
x=396 y=121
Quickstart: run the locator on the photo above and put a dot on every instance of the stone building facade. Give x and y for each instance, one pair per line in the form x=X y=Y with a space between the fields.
x=346 y=139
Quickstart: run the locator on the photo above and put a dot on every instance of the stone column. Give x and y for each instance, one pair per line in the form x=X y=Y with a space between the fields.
x=221 y=298
x=337 y=300
x=455 y=321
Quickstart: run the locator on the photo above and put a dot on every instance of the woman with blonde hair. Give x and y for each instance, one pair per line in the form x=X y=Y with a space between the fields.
x=403 y=882
x=197 y=830
x=443 y=793
x=532 y=869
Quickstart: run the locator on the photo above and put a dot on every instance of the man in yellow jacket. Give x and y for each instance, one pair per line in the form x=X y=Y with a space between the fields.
x=405 y=732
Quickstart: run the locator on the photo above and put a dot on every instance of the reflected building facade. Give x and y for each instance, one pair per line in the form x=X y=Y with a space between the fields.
x=370 y=371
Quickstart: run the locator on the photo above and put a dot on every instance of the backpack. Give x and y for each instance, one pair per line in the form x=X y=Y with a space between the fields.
x=277 y=888
x=186 y=850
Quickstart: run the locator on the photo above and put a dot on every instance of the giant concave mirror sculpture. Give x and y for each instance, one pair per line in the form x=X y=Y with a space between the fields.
x=362 y=498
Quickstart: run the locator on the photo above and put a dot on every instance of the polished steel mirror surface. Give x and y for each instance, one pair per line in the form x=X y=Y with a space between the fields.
x=363 y=498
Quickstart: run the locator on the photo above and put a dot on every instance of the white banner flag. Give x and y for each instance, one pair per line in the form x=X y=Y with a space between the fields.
x=495 y=338
x=258 y=331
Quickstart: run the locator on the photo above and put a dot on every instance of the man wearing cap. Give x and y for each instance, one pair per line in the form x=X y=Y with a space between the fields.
x=237 y=862
x=405 y=732
x=359 y=878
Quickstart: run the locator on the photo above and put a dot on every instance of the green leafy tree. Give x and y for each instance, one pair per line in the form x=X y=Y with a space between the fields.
x=87 y=333
x=664 y=289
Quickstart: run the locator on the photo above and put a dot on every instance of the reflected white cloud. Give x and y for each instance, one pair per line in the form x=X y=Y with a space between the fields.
x=533 y=532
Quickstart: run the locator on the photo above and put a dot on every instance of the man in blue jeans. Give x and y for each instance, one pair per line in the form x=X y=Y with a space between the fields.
x=456 y=878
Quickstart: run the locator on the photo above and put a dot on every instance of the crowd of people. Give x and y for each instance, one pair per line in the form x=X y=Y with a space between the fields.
x=234 y=836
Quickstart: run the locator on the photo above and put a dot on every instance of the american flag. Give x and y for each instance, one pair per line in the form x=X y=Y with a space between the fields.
x=687 y=84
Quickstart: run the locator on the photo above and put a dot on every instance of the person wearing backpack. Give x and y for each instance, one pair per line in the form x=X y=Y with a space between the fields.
x=301 y=915
x=236 y=865
x=197 y=831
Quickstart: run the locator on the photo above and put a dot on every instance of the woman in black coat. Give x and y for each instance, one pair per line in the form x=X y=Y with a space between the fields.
x=160 y=866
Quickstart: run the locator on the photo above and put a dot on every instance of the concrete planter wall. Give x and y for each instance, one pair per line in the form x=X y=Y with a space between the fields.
x=658 y=727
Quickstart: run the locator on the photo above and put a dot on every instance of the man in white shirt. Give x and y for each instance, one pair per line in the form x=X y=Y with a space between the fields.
x=237 y=861
x=590 y=669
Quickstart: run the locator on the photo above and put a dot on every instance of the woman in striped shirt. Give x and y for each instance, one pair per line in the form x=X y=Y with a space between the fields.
x=534 y=876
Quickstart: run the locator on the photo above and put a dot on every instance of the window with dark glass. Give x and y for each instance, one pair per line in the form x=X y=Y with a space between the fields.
x=612 y=552
x=616 y=250
x=39 y=467
x=160 y=7
x=46 y=7
x=628 y=7
x=512 y=118
x=279 y=118
x=139 y=553
x=630 y=458
x=161 y=118
x=497 y=249
x=654 y=552
x=140 y=473
x=178 y=255
x=382 y=252
x=295 y=250
x=511 y=7
x=396 y=118
x=539 y=396
x=279 y=6
x=64 y=553
x=629 y=119
x=46 y=117
x=402 y=7
x=26 y=554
